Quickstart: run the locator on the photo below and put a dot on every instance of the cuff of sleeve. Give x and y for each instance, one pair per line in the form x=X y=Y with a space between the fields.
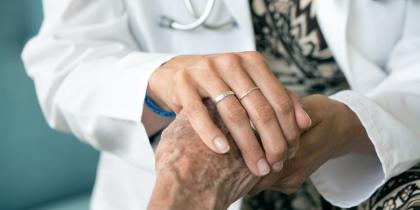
x=109 y=113
x=349 y=180
x=126 y=90
x=127 y=96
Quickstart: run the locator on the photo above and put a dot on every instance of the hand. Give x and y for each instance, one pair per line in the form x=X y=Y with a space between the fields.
x=335 y=131
x=184 y=81
x=190 y=176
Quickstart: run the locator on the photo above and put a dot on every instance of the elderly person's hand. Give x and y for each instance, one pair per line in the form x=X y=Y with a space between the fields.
x=190 y=176
x=335 y=131
x=182 y=82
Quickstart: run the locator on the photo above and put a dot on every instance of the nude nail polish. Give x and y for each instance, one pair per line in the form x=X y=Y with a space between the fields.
x=263 y=167
x=278 y=166
x=221 y=145
x=310 y=120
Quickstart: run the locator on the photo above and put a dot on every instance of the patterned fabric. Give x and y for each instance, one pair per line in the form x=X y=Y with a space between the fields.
x=306 y=198
x=288 y=35
x=400 y=193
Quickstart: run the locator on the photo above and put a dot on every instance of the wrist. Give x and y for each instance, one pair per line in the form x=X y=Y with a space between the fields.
x=160 y=85
x=354 y=134
x=152 y=94
x=158 y=82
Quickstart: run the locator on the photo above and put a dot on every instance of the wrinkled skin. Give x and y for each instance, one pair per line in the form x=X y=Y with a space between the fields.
x=190 y=176
x=182 y=82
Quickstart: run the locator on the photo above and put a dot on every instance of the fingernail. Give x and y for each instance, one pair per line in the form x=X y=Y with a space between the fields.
x=278 y=166
x=221 y=145
x=263 y=167
x=310 y=121
x=252 y=125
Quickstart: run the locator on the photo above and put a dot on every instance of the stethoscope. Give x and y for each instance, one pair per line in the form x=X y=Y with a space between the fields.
x=168 y=22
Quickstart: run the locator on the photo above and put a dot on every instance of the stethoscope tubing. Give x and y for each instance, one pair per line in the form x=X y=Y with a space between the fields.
x=200 y=20
x=170 y=23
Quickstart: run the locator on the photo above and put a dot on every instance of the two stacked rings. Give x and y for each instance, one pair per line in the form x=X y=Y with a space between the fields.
x=225 y=94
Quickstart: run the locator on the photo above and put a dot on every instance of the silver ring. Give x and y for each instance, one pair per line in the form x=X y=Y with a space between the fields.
x=252 y=125
x=223 y=96
x=248 y=92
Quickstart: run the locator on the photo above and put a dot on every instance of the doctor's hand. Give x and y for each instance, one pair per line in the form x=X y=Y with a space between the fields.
x=336 y=131
x=182 y=83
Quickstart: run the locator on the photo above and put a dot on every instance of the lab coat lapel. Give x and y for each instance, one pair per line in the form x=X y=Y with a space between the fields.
x=333 y=17
x=241 y=12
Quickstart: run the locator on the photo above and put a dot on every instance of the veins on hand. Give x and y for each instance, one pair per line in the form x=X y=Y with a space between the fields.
x=182 y=155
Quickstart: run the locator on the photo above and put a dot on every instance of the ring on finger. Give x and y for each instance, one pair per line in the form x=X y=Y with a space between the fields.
x=248 y=92
x=222 y=96
x=252 y=125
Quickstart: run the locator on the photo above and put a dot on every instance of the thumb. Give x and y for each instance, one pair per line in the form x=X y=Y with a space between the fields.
x=302 y=118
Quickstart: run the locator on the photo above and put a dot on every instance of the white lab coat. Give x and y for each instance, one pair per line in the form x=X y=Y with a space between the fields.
x=92 y=59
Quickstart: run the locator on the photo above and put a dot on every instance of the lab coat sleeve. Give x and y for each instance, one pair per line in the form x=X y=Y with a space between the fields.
x=91 y=76
x=390 y=114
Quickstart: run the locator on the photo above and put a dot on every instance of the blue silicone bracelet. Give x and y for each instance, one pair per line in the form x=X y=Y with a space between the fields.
x=156 y=109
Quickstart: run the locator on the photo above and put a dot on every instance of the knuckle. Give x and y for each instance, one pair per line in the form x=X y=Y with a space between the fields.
x=237 y=114
x=230 y=62
x=254 y=55
x=181 y=77
x=277 y=152
x=283 y=107
x=204 y=63
x=254 y=60
x=264 y=113
x=229 y=58
x=203 y=69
